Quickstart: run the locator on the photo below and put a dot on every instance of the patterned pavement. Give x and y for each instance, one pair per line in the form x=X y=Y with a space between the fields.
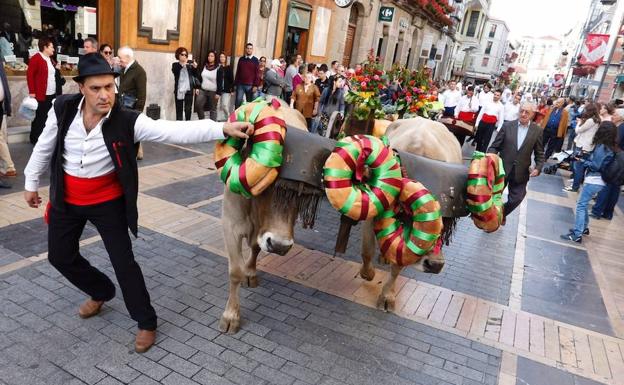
x=298 y=329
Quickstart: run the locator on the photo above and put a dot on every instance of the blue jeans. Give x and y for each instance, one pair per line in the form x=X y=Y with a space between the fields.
x=581 y=221
x=607 y=199
x=241 y=90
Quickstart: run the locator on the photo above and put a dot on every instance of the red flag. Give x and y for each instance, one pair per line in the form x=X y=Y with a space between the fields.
x=594 y=49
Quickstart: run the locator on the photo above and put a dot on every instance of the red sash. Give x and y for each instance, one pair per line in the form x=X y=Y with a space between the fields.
x=468 y=117
x=91 y=191
x=489 y=119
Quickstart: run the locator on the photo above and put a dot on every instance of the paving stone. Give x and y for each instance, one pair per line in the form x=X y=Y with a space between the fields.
x=206 y=377
x=179 y=365
x=304 y=374
x=211 y=363
x=177 y=379
x=240 y=361
x=273 y=376
x=242 y=378
x=178 y=348
x=266 y=358
x=150 y=368
x=118 y=370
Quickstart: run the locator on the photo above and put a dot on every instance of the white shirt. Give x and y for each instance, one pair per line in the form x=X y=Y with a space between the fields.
x=451 y=98
x=467 y=104
x=494 y=109
x=512 y=111
x=51 y=84
x=86 y=155
x=485 y=98
x=507 y=96
x=522 y=134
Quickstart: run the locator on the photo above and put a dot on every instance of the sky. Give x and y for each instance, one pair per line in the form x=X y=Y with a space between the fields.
x=539 y=17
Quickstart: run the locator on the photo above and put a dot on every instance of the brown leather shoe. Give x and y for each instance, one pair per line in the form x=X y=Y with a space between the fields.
x=90 y=308
x=144 y=340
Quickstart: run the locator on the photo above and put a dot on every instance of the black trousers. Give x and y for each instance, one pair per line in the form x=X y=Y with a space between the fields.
x=185 y=105
x=484 y=134
x=515 y=193
x=37 y=125
x=109 y=218
x=551 y=142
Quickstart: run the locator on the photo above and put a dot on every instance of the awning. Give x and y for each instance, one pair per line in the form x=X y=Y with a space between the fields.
x=619 y=79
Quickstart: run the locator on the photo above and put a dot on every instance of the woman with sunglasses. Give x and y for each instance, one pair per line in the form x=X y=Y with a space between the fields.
x=185 y=79
x=107 y=51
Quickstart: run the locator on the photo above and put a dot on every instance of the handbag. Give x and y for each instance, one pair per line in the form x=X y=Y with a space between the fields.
x=195 y=83
x=128 y=101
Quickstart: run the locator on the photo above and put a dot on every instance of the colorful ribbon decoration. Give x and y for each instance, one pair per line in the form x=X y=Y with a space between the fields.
x=345 y=168
x=266 y=148
x=388 y=226
x=480 y=205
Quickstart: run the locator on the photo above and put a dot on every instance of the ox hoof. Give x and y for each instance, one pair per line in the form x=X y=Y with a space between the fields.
x=250 y=281
x=385 y=303
x=228 y=324
x=367 y=274
x=383 y=261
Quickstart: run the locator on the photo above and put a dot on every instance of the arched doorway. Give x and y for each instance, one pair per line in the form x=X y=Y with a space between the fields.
x=351 y=29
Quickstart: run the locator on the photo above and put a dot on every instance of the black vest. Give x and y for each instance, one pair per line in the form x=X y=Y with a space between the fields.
x=118 y=133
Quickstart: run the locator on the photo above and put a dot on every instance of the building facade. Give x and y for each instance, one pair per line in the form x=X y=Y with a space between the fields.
x=398 y=31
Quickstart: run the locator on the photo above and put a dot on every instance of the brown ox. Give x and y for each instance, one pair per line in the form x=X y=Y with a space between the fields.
x=266 y=228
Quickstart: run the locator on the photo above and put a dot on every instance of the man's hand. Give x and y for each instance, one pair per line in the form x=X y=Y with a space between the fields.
x=238 y=129
x=32 y=198
x=534 y=172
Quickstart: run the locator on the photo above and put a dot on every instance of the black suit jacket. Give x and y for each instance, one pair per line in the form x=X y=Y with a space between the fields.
x=134 y=82
x=517 y=160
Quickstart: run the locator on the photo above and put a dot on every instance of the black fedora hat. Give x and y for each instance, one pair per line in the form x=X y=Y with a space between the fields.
x=93 y=64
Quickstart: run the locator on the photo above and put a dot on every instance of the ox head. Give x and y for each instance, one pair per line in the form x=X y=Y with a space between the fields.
x=274 y=223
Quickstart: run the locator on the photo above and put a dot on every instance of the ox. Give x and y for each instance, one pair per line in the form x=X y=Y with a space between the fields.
x=267 y=226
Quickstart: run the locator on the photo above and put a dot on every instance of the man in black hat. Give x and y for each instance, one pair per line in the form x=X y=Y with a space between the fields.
x=89 y=143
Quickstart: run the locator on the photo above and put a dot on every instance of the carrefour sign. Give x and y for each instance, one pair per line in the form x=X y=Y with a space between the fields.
x=386 y=13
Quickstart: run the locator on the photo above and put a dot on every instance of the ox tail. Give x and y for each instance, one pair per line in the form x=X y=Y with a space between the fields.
x=450 y=223
x=304 y=197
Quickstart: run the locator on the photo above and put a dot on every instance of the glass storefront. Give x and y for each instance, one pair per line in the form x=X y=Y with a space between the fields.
x=23 y=22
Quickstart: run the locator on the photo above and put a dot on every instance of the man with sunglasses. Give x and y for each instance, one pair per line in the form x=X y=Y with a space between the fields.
x=516 y=141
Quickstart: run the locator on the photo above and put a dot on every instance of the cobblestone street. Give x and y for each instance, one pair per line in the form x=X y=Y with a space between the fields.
x=518 y=306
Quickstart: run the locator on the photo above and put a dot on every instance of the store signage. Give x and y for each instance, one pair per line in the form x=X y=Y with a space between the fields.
x=62 y=58
x=10 y=58
x=386 y=14
x=73 y=60
x=589 y=82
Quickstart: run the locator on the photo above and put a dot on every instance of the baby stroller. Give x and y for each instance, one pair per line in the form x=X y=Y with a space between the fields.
x=563 y=161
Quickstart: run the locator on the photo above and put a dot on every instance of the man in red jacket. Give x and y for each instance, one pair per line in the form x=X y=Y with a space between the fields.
x=41 y=84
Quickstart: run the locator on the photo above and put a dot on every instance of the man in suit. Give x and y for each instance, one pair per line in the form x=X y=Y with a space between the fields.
x=515 y=143
x=132 y=83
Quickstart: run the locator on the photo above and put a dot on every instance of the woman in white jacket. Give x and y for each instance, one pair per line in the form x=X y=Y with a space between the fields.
x=585 y=131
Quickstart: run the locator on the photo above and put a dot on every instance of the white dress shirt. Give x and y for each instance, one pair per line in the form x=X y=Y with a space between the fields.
x=507 y=96
x=451 y=98
x=86 y=155
x=512 y=111
x=494 y=109
x=51 y=83
x=467 y=104
x=485 y=98
x=522 y=134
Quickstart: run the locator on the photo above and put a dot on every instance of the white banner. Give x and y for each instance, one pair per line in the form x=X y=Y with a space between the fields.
x=321 y=31
x=440 y=49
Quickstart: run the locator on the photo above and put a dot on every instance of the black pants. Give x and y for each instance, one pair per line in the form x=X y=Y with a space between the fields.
x=484 y=134
x=461 y=138
x=551 y=142
x=515 y=193
x=185 y=105
x=109 y=218
x=37 y=125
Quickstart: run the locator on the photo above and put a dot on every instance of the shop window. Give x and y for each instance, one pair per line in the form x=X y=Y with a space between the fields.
x=67 y=23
